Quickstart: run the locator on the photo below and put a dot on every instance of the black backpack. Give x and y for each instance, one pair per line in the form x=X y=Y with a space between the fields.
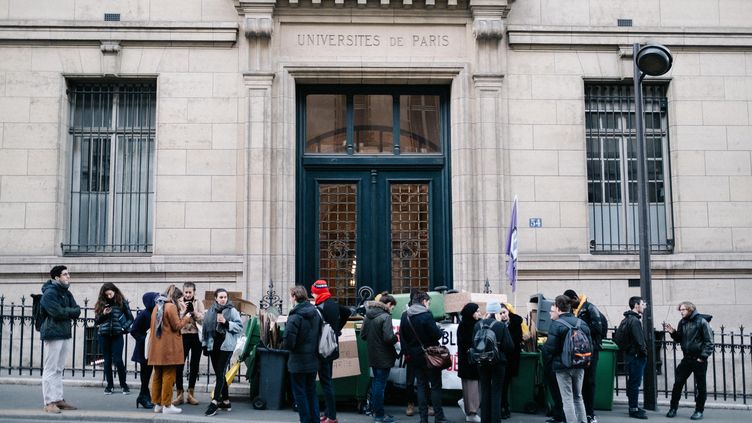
x=578 y=350
x=621 y=337
x=37 y=315
x=485 y=349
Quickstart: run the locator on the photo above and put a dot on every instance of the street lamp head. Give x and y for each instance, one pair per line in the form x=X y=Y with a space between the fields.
x=654 y=59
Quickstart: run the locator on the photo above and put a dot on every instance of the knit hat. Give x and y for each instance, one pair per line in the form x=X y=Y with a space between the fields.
x=319 y=287
x=493 y=307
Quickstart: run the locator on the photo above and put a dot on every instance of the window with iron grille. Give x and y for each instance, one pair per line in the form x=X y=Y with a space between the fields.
x=112 y=128
x=612 y=168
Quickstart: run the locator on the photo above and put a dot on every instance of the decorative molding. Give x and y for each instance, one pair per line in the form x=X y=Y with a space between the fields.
x=110 y=47
x=344 y=72
x=151 y=32
x=488 y=29
x=258 y=27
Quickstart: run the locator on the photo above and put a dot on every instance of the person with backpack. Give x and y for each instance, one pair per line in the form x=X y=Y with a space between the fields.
x=696 y=338
x=418 y=330
x=330 y=312
x=598 y=325
x=138 y=331
x=491 y=346
x=112 y=315
x=467 y=370
x=220 y=333
x=630 y=338
x=302 y=333
x=58 y=310
x=513 y=322
x=380 y=339
x=569 y=347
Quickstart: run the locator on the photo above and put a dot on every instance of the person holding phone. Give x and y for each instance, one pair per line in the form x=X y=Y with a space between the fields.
x=112 y=314
x=191 y=344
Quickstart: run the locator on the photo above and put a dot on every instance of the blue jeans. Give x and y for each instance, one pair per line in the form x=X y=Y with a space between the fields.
x=635 y=368
x=112 y=350
x=570 y=386
x=325 y=378
x=378 y=385
x=304 y=393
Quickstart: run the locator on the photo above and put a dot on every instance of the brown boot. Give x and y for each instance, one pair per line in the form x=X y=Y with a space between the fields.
x=410 y=410
x=191 y=399
x=179 y=400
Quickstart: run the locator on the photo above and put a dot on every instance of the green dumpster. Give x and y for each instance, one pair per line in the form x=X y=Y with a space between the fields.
x=253 y=336
x=436 y=307
x=604 y=376
x=353 y=388
x=526 y=384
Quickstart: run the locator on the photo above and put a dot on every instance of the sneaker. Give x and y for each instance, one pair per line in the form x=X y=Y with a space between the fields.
x=637 y=414
x=430 y=411
x=108 y=391
x=474 y=418
x=671 y=413
x=64 y=405
x=211 y=409
x=697 y=415
x=461 y=404
x=322 y=418
x=226 y=406
x=385 y=419
x=126 y=390
x=410 y=410
x=592 y=419
x=171 y=409
x=52 y=408
x=157 y=408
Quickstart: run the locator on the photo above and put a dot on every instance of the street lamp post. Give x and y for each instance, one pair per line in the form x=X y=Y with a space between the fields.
x=654 y=60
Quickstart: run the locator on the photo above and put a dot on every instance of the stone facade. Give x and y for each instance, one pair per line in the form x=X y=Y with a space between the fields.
x=227 y=71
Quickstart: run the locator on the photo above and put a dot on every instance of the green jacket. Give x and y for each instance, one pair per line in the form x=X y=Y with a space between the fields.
x=59 y=310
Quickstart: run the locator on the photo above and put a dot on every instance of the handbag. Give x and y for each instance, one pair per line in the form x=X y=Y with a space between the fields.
x=437 y=357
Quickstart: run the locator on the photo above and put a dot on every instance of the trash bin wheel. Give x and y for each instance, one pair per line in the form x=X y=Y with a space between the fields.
x=259 y=403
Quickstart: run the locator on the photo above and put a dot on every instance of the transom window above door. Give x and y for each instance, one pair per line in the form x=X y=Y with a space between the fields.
x=381 y=121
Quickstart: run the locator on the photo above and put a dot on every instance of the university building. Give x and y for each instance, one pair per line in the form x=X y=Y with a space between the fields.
x=376 y=143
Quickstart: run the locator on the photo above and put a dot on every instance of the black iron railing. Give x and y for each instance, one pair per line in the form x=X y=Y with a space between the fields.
x=728 y=367
x=22 y=352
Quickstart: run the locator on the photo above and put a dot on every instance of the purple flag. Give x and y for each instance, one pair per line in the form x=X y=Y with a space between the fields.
x=511 y=250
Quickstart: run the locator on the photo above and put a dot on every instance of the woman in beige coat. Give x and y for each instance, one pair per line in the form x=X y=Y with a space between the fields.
x=166 y=348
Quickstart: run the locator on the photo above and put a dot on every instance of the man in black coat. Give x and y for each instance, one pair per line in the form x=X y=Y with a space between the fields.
x=379 y=335
x=330 y=311
x=492 y=374
x=635 y=354
x=589 y=313
x=302 y=332
x=417 y=327
x=696 y=338
x=59 y=311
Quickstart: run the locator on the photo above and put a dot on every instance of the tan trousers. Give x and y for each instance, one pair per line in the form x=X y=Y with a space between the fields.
x=162 y=379
x=471 y=396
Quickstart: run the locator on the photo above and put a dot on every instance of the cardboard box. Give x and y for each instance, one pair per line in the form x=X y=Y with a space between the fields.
x=453 y=303
x=243 y=306
x=345 y=367
x=348 y=344
x=233 y=295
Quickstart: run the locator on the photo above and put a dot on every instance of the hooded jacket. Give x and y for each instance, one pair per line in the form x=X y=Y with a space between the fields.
x=555 y=342
x=59 y=309
x=379 y=335
x=141 y=324
x=635 y=336
x=116 y=322
x=589 y=313
x=302 y=333
x=695 y=335
x=515 y=331
x=423 y=329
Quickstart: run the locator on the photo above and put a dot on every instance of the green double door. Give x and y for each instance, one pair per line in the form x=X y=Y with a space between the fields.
x=379 y=227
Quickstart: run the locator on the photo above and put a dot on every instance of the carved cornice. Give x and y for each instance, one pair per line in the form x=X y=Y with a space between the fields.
x=488 y=29
x=489 y=17
x=258 y=26
x=258 y=23
x=110 y=47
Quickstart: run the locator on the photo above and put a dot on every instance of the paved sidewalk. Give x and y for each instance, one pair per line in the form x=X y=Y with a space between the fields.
x=22 y=402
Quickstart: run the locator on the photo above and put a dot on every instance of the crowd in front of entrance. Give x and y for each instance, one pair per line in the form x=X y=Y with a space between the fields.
x=174 y=326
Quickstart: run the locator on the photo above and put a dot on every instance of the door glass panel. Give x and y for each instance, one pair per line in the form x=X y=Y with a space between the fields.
x=373 y=124
x=419 y=124
x=338 y=228
x=409 y=236
x=326 y=128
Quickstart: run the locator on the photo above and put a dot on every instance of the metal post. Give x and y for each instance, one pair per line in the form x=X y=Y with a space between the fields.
x=646 y=287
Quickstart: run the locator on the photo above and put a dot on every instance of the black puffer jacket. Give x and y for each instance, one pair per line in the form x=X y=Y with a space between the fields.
x=59 y=309
x=635 y=337
x=515 y=331
x=590 y=314
x=555 y=342
x=302 y=333
x=466 y=369
x=424 y=327
x=695 y=335
x=330 y=311
x=116 y=322
x=379 y=335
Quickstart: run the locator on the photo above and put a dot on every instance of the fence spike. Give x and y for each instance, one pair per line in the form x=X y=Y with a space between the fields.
x=23 y=300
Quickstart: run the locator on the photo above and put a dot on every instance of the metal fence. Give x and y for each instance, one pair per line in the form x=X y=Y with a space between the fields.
x=728 y=367
x=22 y=352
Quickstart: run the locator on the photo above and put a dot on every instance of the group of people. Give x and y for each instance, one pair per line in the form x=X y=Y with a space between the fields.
x=173 y=326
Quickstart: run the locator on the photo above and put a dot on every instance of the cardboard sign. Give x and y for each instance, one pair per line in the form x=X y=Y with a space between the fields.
x=453 y=303
x=449 y=377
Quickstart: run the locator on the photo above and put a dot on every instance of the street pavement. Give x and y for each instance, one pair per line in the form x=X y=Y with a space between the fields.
x=21 y=401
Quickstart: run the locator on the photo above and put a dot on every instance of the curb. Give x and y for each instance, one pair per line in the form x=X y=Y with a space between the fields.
x=689 y=403
x=237 y=389
x=99 y=416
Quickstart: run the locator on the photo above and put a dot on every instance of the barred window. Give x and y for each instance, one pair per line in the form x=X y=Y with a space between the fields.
x=612 y=168
x=112 y=128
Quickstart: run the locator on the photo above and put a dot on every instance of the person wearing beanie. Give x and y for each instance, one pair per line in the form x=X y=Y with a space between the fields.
x=467 y=371
x=492 y=375
x=598 y=325
x=330 y=312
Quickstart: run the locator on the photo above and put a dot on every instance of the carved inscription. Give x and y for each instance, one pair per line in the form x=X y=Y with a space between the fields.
x=371 y=40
